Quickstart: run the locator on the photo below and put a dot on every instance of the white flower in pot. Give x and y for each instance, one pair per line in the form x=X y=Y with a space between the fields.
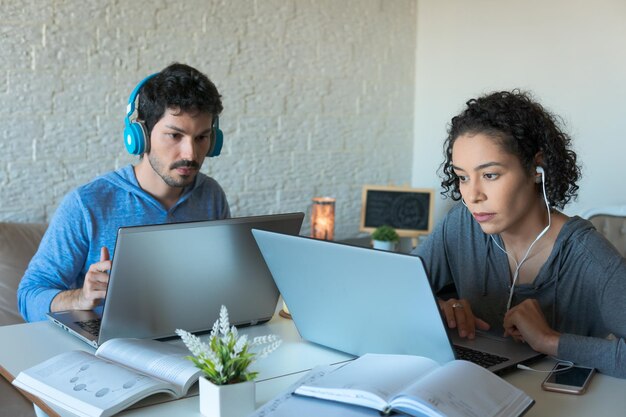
x=227 y=386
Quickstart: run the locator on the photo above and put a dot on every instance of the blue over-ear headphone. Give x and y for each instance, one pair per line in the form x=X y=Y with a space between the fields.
x=136 y=135
x=217 y=138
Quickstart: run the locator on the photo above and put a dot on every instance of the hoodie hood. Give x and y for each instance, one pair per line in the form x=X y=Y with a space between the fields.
x=547 y=283
x=126 y=179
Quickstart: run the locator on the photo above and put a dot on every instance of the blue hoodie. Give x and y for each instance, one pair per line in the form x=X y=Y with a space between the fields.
x=88 y=218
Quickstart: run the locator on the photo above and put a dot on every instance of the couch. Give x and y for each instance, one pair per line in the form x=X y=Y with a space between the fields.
x=611 y=222
x=18 y=243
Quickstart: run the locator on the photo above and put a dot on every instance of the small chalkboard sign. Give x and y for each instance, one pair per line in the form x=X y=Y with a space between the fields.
x=408 y=210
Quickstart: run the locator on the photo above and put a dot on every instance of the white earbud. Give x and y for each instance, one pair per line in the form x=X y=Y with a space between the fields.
x=539 y=170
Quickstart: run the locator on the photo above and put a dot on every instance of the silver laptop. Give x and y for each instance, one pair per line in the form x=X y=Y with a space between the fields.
x=359 y=300
x=177 y=275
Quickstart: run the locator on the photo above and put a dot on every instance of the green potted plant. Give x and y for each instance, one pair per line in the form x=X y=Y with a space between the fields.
x=227 y=385
x=385 y=237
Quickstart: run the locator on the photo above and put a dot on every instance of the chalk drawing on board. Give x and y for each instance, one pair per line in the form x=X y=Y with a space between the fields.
x=408 y=210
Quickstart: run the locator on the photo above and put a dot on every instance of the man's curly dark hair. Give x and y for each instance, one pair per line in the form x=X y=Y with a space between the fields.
x=523 y=128
x=179 y=87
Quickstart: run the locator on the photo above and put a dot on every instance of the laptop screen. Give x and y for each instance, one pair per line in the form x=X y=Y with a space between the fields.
x=170 y=276
x=354 y=299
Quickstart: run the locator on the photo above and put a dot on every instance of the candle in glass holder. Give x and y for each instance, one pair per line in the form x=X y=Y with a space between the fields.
x=323 y=218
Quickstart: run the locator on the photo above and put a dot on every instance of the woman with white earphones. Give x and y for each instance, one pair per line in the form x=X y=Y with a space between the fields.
x=520 y=267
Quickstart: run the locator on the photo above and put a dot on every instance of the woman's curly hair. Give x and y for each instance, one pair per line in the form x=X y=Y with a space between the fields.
x=523 y=128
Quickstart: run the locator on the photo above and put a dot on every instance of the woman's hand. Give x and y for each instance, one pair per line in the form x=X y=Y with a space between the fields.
x=526 y=323
x=458 y=314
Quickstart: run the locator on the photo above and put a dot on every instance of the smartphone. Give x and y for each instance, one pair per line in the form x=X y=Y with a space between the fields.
x=571 y=381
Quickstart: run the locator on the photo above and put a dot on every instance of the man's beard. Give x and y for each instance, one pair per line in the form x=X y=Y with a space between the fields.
x=157 y=166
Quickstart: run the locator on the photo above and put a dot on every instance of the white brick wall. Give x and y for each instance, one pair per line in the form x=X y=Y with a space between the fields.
x=318 y=95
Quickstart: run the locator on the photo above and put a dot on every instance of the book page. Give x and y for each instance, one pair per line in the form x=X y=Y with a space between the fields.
x=288 y=405
x=463 y=389
x=85 y=384
x=159 y=359
x=371 y=380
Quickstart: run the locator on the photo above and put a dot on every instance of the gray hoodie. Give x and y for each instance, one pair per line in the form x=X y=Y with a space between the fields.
x=581 y=288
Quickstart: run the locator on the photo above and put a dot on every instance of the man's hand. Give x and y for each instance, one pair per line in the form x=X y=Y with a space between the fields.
x=458 y=314
x=526 y=323
x=93 y=290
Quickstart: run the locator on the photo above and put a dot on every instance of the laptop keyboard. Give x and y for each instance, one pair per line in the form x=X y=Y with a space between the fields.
x=91 y=326
x=480 y=358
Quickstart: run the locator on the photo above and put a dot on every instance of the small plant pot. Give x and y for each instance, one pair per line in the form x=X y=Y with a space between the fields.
x=384 y=245
x=233 y=400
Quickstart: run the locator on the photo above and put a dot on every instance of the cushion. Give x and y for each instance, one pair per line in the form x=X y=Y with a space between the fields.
x=613 y=228
x=18 y=244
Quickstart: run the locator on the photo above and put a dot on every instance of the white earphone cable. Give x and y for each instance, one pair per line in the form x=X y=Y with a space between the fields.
x=568 y=365
x=518 y=266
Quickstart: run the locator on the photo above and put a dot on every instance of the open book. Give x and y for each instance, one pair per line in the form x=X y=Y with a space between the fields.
x=419 y=386
x=122 y=372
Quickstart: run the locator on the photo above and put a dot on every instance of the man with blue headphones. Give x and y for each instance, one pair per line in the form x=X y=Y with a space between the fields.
x=176 y=126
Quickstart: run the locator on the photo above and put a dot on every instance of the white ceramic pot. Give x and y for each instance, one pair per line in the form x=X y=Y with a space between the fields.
x=234 y=400
x=384 y=245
